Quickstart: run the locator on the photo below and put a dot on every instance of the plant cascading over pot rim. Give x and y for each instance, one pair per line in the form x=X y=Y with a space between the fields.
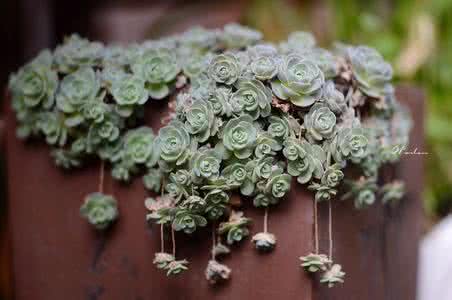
x=246 y=118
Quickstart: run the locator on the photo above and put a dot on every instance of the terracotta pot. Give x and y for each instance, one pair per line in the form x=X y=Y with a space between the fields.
x=57 y=255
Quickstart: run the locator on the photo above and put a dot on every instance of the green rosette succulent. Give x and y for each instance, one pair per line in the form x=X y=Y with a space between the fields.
x=266 y=146
x=176 y=267
x=362 y=192
x=100 y=210
x=304 y=160
x=77 y=52
x=326 y=61
x=36 y=83
x=103 y=133
x=238 y=36
x=95 y=110
x=279 y=185
x=224 y=68
x=158 y=67
x=333 y=98
x=188 y=221
x=216 y=203
x=76 y=89
x=171 y=145
x=370 y=70
x=153 y=180
x=162 y=260
x=392 y=192
x=206 y=164
x=239 y=136
x=252 y=98
x=279 y=128
x=299 y=81
x=52 y=126
x=351 y=143
x=219 y=99
x=138 y=145
x=65 y=159
x=332 y=176
x=320 y=122
x=315 y=262
x=200 y=120
x=299 y=42
x=264 y=62
x=235 y=228
x=333 y=276
x=129 y=91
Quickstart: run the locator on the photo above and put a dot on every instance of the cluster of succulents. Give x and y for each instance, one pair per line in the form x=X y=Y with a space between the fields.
x=246 y=119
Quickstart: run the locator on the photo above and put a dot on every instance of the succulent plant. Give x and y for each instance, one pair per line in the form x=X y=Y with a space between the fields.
x=244 y=118
x=370 y=70
x=216 y=272
x=264 y=241
x=333 y=276
x=299 y=81
x=100 y=210
x=224 y=68
x=320 y=122
x=240 y=136
x=315 y=262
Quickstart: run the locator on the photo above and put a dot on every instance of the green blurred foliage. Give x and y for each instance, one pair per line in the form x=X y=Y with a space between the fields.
x=415 y=35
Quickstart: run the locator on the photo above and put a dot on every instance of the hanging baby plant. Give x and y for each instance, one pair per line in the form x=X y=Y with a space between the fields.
x=248 y=120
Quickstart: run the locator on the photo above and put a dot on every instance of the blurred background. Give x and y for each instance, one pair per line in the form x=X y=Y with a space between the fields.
x=415 y=35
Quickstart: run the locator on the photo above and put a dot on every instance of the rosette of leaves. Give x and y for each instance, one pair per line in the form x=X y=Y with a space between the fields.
x=216 y=201
x=264 y=241
x=65 y=158
x=362 y=191
x=219 y=99
x=333 y=98
x=278 y=185
x=153 y=180
x=224 y=68
x=299 y=81
x=264 y=62
x=77 y=52
x=266 y=146
x=188 y=220
x=315 y=262
x=392 y=192
x=370 y=70
x=320 y=122
x=238 y=36
x=128 y=92
x=195 y=63
x=235 y=175
x=158 y=67
x=206 y=164
x=235 y=228
x=200 y=120
x=138 y=146
x=176 y=267
x=239 y=136
x=108 y=131
x=160 y=209
x=52 y=126
x=76 y=89
x=351 y=143
x=333 y=276
x=299 y=41
x=162 y=260
x=172 y=146
x=36 y=83
x=279 y=128
x=305 y=161
x=325 y=60
x=216 y=272
x=252 y=98
x=100 y=210
x=199 y=38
